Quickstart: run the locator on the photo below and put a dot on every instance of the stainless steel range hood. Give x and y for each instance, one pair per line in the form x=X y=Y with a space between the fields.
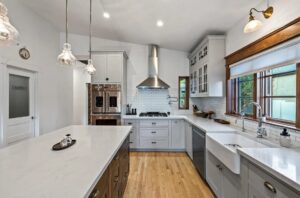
x=153 y=81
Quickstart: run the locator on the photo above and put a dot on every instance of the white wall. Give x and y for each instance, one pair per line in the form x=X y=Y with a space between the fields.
x=55 y=82
x=172 y=64
x=284 y=12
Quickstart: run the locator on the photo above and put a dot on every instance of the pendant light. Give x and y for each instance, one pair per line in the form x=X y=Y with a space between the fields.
x=66 y=57
x=254 y=24
x=90 y=67
x=8 y=33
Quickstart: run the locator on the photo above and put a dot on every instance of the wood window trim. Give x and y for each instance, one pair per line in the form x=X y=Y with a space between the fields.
x=187 y=88
x=279 y=36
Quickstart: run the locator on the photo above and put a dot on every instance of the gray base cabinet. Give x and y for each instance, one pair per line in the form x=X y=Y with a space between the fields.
x=261 y=184
x=223 y=182
x=157 y=134
x=189 y=139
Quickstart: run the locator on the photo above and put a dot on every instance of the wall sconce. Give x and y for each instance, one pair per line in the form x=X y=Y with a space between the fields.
x=254 y=24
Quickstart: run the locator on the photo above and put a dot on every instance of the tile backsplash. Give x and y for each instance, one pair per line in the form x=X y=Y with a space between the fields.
x=218 y=105
x=155 y=100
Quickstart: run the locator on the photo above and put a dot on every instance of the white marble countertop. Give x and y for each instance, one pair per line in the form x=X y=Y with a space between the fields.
x=205 y=124
x=31 y=169
x=281 y=162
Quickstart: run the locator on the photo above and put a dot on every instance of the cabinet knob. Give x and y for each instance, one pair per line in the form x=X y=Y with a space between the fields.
x=153 y=142
x=153 y=131
x=270 y=187
x=107 y=79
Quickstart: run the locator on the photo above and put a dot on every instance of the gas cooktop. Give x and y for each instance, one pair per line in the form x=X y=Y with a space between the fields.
x=153 y=114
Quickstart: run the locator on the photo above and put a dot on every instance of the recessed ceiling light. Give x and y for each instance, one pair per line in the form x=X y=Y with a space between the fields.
x=106 y=15
x=160 y=23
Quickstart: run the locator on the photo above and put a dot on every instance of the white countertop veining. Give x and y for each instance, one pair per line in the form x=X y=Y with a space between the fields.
x=31 y=169
x=281 y=162
x=207 y=125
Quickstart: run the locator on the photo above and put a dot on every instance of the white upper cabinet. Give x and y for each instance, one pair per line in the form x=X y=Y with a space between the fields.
x=109 y=66
x=207 y=68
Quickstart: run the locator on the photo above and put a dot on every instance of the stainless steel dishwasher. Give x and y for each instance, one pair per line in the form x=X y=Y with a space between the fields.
x=199 y=151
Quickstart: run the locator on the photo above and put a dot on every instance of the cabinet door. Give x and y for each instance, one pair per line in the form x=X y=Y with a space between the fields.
x=178 y=134
x=99 y=61
x=213 y=173
x=231 y=184
x=114 y=68
x=188 y=139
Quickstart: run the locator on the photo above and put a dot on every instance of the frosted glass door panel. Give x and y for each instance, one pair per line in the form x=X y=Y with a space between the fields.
x=18 y=96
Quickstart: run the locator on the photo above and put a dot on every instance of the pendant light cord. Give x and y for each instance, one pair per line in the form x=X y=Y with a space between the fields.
x=90 y=41
x=67 y=21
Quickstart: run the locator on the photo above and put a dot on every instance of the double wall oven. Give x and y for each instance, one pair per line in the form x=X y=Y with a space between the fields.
x=105 y=104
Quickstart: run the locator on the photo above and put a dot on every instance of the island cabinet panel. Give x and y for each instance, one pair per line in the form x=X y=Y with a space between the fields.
x=113 y=182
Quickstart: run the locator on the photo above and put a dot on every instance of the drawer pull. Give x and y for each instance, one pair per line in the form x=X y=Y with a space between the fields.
x=130 y=142
x=153 y=123
x=116 y=179
x=153 y=132
x=270 y=187
x=219 y=167
x=153 y=142
x=131 y=132
x=129 y=123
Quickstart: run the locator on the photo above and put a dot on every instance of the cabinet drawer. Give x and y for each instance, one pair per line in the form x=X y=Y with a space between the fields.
x=154 y=132
x=133 y=123
x=267 y=186
x=154 y=123
x=101 y=189
x=154 y=143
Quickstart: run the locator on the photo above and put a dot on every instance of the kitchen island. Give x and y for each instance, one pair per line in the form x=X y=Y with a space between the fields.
x=32 y=169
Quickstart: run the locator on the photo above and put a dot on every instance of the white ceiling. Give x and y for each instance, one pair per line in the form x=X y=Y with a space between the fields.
x=186 y=21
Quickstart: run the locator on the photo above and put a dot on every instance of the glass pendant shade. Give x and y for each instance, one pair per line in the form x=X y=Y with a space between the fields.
x=90 y=67
x=66 y=57
x=8 y=33
x=253 y=25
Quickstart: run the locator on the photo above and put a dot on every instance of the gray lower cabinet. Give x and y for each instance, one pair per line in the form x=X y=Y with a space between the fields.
x=177 y=135
x=223 y=182
x=261 y=184
x=134 y=133
x=189 y=139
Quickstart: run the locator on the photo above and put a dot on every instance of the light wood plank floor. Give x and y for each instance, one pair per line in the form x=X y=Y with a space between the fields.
x=164 y=175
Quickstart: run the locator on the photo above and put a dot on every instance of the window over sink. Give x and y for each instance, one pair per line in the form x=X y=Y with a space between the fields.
x=274 y=89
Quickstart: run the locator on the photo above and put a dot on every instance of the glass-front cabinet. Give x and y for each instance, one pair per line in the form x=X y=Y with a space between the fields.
x=207 y=68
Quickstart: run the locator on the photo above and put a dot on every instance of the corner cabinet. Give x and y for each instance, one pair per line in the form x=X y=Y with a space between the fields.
x=207 y=68
x=110 y=67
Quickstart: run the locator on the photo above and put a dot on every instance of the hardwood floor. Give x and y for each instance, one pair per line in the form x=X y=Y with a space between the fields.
x=164 y=175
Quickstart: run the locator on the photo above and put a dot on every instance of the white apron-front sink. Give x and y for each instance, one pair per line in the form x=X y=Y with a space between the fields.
x=224 y=146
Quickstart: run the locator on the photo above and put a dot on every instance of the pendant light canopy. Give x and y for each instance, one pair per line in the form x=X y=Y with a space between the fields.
x=8 y=33
x=66 y=57
x=90 y=67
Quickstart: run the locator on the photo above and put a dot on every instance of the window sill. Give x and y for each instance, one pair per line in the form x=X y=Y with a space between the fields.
x=269 y=122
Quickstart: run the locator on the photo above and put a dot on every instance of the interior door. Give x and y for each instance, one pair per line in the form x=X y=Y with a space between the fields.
x=21 y=103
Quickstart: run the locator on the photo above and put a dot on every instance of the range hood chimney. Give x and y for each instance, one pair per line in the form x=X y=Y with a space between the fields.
x=153 y=81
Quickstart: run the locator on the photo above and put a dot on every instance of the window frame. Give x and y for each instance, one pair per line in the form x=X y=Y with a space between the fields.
x=187 y=91
x=233 y=98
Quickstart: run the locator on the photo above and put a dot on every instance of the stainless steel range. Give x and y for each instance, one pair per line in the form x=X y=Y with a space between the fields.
x=153 y=114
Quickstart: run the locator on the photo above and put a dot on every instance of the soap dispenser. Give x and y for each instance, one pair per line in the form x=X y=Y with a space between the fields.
x=285 y=138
